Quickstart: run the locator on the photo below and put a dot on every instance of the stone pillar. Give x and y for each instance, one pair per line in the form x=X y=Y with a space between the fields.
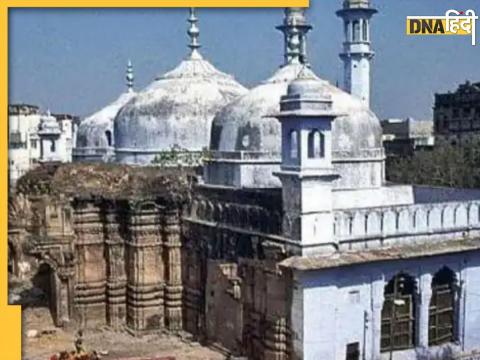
x=276 y=330
x=173 y=288
x=145 y=311
x=425 y=294
x=64 y=291
x=192 y=300
x=90 y=292
x=116 y=275
x=378 y=291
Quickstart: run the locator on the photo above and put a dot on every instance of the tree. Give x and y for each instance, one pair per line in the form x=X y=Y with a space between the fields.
x=445 y=165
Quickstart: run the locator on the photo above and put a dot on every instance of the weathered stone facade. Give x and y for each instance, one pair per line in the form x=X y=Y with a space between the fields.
x=206 y=265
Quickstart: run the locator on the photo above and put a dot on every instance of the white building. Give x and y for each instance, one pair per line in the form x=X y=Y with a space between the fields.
x=25 y=144
x=379 y=270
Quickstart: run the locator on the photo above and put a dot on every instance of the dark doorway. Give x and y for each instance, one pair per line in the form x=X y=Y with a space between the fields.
x=353 y=351
x=44 y=289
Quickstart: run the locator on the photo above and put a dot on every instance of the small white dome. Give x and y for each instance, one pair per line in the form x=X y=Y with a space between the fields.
x=96 y=131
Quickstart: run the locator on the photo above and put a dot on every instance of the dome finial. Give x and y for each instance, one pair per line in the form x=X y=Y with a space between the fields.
x=294 y=45
x=295 y=28
x=194 y=33
x=129 y=77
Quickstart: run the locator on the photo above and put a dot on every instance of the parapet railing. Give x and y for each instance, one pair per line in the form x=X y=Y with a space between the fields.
x=391 y=221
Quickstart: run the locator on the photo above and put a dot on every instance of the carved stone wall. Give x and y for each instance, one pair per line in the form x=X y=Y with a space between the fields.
x=208 y=267
x=234 y=295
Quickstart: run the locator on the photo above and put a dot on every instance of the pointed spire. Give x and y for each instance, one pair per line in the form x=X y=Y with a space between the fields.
x=129 y=76
x=194 y=32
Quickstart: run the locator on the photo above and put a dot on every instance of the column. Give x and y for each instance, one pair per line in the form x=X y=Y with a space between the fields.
x=378 y=290
x=173 y=288
x=90 y=293
x=116 y=275
x=425 y=288
x=276 y=331
x=145 y=269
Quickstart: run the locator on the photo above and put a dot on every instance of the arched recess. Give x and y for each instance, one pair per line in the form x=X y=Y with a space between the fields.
x=316 y=144
x=293 y=144
x=109 y=138
x=442 y=310
x=398 y=314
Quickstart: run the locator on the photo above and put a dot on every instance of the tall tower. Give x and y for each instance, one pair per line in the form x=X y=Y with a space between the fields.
x=357 y=52
x=306 y=172
x=295 y=26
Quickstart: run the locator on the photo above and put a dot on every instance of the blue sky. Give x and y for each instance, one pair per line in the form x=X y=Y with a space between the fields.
x=73 y=60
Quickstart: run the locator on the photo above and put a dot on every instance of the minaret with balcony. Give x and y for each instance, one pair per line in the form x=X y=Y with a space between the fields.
x=357 y=53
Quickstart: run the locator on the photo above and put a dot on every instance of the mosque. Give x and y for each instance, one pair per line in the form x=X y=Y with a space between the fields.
x=291 y=245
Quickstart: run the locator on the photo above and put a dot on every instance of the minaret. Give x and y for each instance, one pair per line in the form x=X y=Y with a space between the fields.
x=307 y=174
x=194 y=33
x=295 y=25
x=129 y=76
x=357 y=52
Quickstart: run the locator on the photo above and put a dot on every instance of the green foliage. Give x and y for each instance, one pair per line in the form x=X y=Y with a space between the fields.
x=445 y=165
x=178 y=156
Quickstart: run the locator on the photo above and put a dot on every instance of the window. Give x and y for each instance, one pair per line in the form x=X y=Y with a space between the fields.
x=346 y=29
x=353 y=351
x=354 y=297
x=365 y=30
x=293 y=144
x=356 y=30
x=467 y=112
x=33 y=144
x=442 y=308
x=52 y=146
x=398 y=314
x=316 y=144
x=108 y=135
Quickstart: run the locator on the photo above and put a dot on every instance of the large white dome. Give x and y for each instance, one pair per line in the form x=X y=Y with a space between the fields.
x=176 y=110
x=247 y=125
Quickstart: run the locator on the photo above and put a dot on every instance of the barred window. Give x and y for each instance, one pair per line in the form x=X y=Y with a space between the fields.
x=398 y=314
x=442 y=308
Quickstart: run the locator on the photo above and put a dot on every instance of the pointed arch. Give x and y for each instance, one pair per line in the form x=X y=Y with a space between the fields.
x=316 y=144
